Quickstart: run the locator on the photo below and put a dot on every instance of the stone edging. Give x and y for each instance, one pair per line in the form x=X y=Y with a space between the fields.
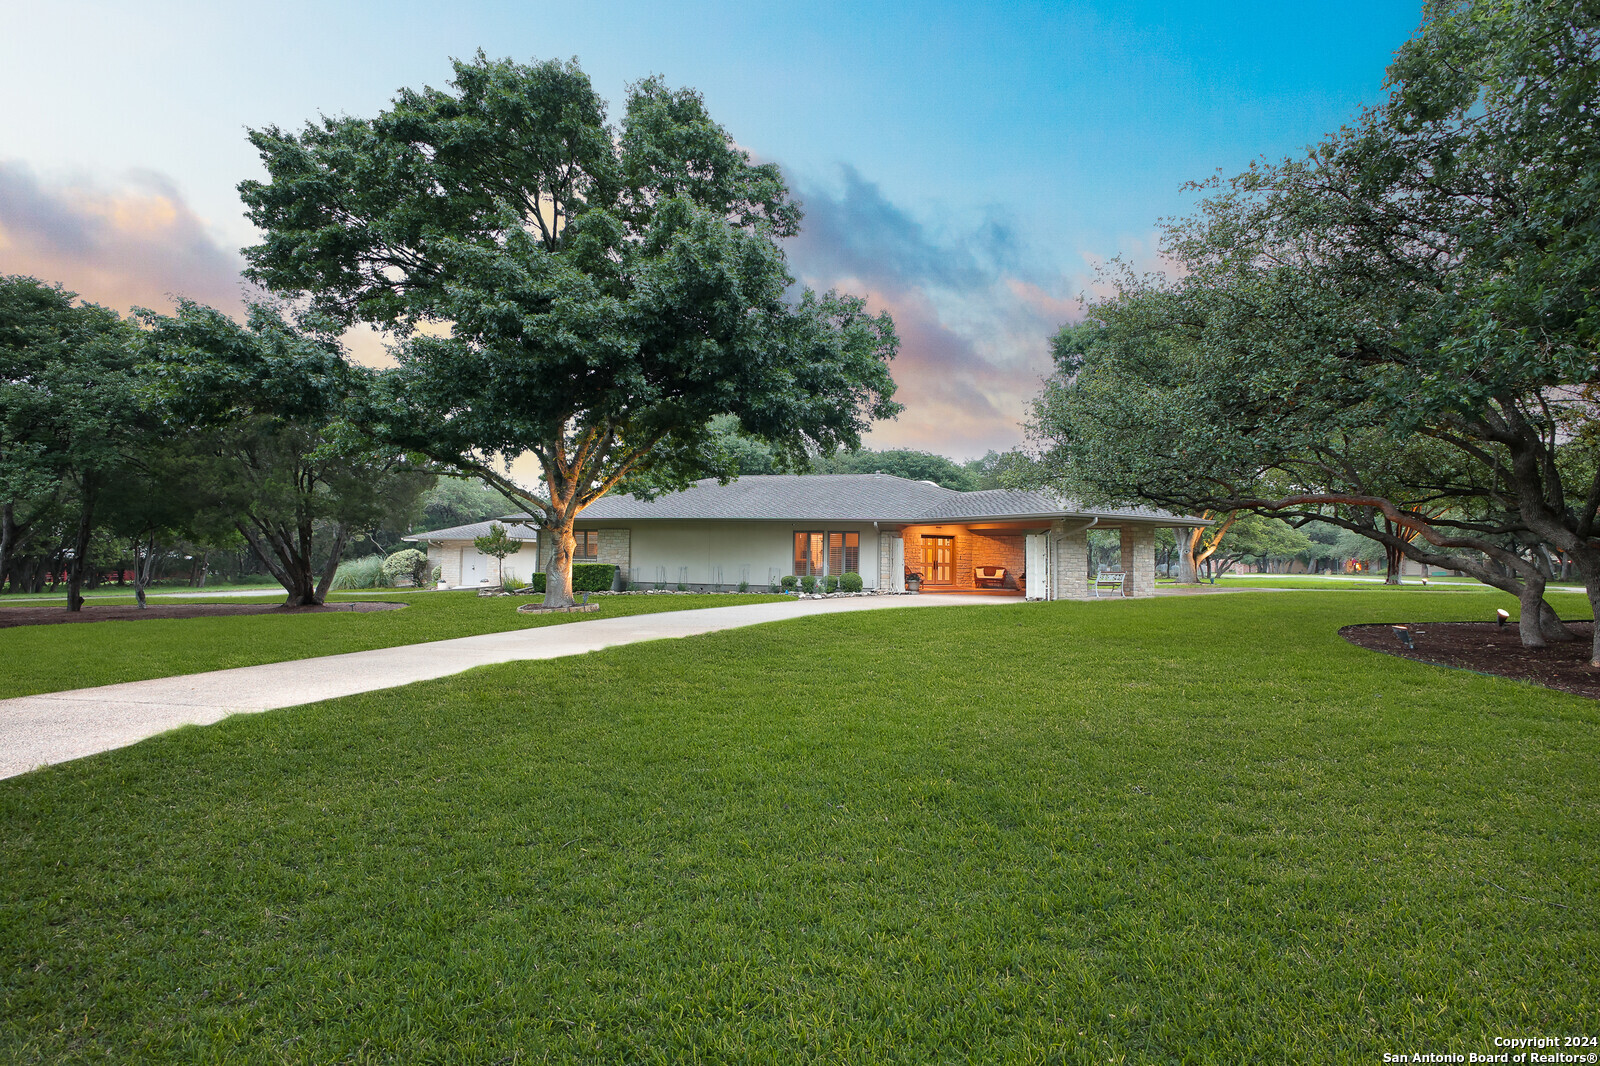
x=539 y=608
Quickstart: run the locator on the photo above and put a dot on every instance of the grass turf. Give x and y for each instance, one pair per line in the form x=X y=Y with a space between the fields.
x=1184 y=830
x=1317 y=581
x=52 y=658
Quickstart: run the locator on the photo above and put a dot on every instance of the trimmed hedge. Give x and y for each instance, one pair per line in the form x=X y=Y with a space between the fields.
x=586 y=577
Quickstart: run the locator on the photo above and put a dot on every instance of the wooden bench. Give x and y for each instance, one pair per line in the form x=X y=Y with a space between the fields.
x=1111 y=581
x=989 y=576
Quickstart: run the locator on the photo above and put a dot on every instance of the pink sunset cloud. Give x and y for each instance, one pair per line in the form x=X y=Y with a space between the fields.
x=137 y=244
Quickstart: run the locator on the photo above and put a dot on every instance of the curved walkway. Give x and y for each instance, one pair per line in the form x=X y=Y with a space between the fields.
x=57 y=726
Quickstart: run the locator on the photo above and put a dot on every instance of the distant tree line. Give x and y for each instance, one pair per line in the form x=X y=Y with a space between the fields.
x=177 y=447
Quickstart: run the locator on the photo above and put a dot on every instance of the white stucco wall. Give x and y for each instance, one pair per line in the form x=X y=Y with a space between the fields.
x=670 y=552
x=692 y=552
x=460 y=563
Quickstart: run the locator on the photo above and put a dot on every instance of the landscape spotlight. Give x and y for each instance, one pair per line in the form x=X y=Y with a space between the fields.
x=1403 y=635
x=1501 y=615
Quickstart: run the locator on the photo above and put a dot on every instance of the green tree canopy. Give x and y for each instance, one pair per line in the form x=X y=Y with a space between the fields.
x=71 y=416
x=901 y=462
x=608 y=289
x=271 y=404
x=1394 y=333
x=458 y=501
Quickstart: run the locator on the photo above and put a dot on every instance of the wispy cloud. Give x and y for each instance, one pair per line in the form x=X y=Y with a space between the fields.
x=135 y=244
x=974 y=315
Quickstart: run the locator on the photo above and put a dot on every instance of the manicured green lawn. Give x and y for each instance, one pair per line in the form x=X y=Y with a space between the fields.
x=1314 y=581
x=78 y=655
x=1180 y=830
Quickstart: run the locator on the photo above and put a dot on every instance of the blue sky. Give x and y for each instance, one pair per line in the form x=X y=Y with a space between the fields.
x=963 y=165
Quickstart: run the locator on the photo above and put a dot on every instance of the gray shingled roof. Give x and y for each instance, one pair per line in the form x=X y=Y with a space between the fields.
x=514 y=524
x=849 y=498
x=831 y=498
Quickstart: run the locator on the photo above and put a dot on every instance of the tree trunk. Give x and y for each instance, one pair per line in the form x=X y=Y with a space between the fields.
x=1186 y=569
x=204 y=569
x=1393 y=559
x=8 y=540
x=144 y=566
x=1554 y=629
x=138 y=574
x=80 y=555
x=1594 y=647
x=332 y=566
x=291 y=568
x=558 y=573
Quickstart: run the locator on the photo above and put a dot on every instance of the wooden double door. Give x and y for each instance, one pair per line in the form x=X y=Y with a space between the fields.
x=938 y=560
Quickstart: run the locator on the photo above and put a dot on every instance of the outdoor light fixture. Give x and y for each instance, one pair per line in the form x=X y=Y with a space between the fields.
x=1403 y=635
x=1501 y=615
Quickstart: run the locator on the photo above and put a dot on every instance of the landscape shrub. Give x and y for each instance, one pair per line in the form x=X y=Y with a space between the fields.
x=593 y=577
x=850 y=583
x=744 y=586
x=682 y=587
x=408 y=563
x=363 y=573
x=788 y=582
x=511 y=582
x=586 y=577
x=808 y=583
x=830 y=584
x=775 y=588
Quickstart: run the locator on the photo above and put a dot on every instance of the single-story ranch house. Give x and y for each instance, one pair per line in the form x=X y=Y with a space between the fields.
x=758 y=529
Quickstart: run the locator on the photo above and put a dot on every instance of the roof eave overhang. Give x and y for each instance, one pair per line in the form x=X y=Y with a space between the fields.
x=902 y=520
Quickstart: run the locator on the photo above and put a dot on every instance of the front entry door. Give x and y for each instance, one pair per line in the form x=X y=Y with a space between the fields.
x=938 y=560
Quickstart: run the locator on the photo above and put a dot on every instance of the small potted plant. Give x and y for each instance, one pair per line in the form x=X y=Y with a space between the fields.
x=913 y=581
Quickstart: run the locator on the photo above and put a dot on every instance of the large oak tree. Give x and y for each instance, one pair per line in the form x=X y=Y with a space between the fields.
x=71 y=417
x=597 y=293
x=266 y=413
x=1398 y=330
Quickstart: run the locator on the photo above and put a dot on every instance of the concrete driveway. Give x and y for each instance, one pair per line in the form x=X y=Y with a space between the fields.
x=55 y=727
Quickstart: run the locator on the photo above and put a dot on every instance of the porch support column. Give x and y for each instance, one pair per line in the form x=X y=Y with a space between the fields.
x=891 y=577
x=1069 y=546
x=1139 y=560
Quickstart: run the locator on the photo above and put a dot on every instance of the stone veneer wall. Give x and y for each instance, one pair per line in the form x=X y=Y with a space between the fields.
x=448 y=563
x=972 y=550
x=997 y=549
x=1070 y=580
x=1139 y=560
x=615 y=549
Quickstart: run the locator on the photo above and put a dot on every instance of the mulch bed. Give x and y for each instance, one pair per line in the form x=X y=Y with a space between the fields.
x=1490 y=649
x=46 y=616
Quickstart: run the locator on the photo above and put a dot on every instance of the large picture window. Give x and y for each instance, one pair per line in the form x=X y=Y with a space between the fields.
x=818 y=553
x=587 y=548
